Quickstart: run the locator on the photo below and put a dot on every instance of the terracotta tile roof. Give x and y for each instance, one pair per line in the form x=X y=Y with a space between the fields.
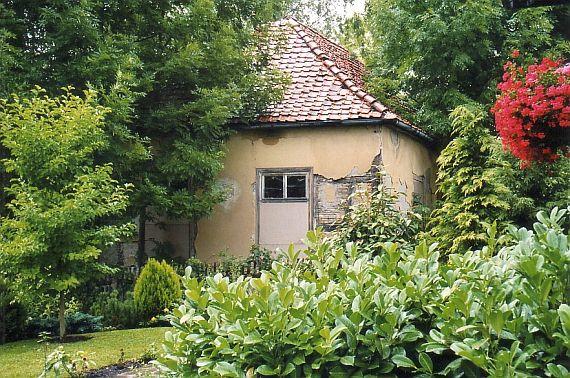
x=326 y=81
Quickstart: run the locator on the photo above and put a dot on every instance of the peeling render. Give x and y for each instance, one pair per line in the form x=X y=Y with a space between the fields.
x=333 y=195
x=343 y=160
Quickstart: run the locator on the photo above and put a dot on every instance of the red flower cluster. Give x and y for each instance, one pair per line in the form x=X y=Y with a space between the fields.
x=532 y=113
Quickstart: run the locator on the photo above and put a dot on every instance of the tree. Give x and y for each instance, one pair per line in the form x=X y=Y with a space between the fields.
x=470 y=171
x=62 y=201
x=174 y=73
x=428 y=57
x=435 y=55
x=327 y=16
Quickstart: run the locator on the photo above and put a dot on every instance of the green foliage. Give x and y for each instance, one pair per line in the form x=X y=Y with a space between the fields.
x=12 y=314
x=373 y=219
x=231 y=266
x=121 y=281
x=470 y=174
x=507 y=314
x=41 y=306
x=342 y=317
x=117 y=312
x=173 y=73
x=63 y=364
x=76 y=323
x=354 y=35
x=151 y=353
x=164 y=250
x=325 y=16
x=157 y=288
x=484 y=313
x=63 y=203
x=538 y=187
x=428 y=57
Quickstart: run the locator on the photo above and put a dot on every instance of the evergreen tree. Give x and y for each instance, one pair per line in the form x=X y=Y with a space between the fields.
x=470 y=175
x=157 y=288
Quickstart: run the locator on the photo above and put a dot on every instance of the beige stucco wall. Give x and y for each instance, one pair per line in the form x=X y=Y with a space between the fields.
x=333 y=153
x=402 y=158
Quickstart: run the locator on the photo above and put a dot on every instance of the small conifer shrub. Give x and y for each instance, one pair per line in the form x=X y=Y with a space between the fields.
x=157 y=288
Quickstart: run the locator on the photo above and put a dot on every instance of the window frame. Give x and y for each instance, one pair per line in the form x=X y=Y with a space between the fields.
x=285 y=173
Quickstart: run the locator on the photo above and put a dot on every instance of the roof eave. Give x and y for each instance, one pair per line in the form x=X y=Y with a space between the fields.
x=402 y=126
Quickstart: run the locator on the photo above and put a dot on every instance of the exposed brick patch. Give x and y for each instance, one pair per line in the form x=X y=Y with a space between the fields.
x=332 y=196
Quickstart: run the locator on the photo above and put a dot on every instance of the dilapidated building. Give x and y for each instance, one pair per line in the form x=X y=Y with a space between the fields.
x=293 y=169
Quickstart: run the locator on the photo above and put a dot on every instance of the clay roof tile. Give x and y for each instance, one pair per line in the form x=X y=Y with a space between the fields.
x=326 y=81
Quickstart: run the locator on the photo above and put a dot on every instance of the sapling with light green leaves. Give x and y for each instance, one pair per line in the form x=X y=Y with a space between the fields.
x=61 y=215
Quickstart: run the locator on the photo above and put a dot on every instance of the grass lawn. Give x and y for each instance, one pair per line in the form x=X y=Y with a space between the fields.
x=25 y=358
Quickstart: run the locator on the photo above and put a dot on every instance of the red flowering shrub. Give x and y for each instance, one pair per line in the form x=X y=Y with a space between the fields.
x=532 y=113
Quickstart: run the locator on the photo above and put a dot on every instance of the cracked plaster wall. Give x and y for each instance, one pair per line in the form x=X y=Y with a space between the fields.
x=331 y=196
x=343 y=160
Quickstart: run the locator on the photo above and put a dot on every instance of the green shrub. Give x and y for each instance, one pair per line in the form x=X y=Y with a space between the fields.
x=122 y=280
x=77 y=323
x=400 y=312
x=117 y=313
x=23 y=317
x=12 y=315
x=42 y=305
x=61 y=363
x=157 y=288
x=374 y=219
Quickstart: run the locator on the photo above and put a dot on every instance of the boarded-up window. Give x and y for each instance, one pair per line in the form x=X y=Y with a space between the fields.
x=284 y=207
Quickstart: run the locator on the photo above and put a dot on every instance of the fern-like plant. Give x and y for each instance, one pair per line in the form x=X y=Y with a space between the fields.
x=157 y=288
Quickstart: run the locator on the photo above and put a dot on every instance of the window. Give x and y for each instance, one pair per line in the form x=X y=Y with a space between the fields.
x=284 y=186
x=273 y=186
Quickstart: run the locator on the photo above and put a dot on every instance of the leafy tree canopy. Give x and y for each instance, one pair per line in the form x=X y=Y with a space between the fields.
x=172 y=73
x=327 y=16
x=428 y=57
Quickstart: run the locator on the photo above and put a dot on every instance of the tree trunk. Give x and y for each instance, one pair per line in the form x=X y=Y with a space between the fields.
x=2 y=324
x=192 y=226
x=142 y=238
x=192 y=235
x=61 y=315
